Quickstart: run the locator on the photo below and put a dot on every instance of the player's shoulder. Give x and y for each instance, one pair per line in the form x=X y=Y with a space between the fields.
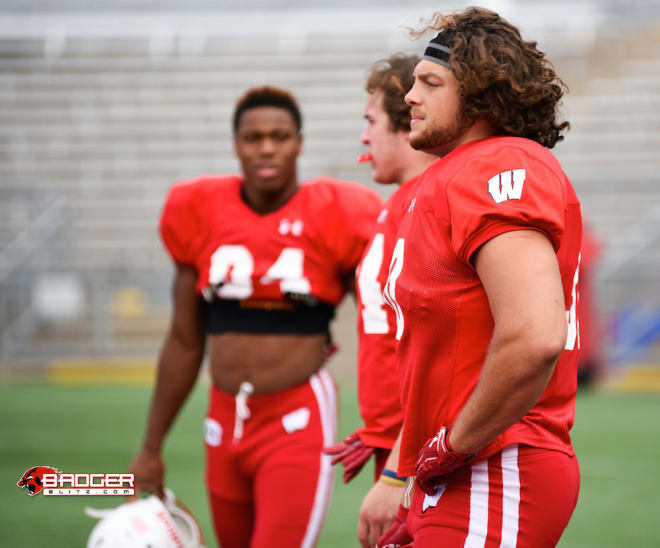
x=495 y=160
x=489 y=157
x=202 y=188
x=330 y=192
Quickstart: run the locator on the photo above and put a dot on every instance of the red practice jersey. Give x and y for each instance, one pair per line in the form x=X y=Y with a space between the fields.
x=444 y=324
x=310 y=246
x=378 y=378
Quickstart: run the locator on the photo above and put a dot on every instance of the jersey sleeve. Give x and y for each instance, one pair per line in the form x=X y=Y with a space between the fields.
x=179 y=222
x=496 y=194
x=357 y=209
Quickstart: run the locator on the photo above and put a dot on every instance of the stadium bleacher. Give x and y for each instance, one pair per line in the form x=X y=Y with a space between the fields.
x=103 y=106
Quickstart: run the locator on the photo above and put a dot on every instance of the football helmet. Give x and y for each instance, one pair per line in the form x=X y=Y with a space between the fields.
x=146 y=523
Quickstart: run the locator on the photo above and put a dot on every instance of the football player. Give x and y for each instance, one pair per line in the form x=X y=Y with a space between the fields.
x=483 y=280
x=261 y=262
x=393 y=161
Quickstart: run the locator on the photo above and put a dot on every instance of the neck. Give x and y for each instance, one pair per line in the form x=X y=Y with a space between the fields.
x=416 y=164
x=478 y=129
x=266 y=201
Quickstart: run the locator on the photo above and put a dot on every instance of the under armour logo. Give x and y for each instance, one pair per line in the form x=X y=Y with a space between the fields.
x=412 y=205
x=286 y=227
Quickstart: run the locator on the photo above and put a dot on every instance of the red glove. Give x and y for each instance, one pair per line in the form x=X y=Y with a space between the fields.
x=352 y=453
x=397 y=535
x=436 y=459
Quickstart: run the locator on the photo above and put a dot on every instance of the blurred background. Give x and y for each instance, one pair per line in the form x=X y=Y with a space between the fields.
x=104 y=104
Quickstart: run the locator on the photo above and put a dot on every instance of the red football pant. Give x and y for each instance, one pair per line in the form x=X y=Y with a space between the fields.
x=271 y=485
x=522 y=497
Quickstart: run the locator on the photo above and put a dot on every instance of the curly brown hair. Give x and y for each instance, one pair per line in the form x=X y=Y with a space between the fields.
x=394 y=77
x=502 y=78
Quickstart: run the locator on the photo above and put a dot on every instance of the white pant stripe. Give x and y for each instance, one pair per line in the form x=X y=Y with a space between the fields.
x=478 y=528
x=326 y=397
x=510 y=496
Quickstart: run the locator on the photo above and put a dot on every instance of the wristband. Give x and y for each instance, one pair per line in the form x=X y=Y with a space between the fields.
x=392 y=482
x=390 y=478
x=391 y=474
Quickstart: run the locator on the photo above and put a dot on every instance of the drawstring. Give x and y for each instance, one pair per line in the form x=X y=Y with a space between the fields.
x=242 y=410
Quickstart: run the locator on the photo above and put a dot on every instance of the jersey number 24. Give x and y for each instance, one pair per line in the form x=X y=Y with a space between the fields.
x=232 y=267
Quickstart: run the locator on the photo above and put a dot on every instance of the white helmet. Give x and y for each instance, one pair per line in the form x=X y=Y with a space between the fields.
x=148 y=522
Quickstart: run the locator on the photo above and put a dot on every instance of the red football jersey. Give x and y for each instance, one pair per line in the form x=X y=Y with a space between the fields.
x=310 y=245
x=444 y=324
x=378 y=378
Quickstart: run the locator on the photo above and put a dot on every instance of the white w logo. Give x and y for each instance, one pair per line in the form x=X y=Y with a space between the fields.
x=507 y=185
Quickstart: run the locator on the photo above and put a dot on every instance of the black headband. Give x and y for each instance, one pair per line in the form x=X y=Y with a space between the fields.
x=439 y=49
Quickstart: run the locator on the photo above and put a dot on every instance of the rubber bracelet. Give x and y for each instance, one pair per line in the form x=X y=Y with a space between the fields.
x=392 y=482
x=391 y=474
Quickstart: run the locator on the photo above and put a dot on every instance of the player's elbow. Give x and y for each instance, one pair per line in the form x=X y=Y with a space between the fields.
x=547 y=345
x=534 y=347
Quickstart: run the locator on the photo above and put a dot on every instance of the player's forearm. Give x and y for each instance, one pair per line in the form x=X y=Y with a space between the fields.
x=392 y=462
x=515 y=374
x=178 y=368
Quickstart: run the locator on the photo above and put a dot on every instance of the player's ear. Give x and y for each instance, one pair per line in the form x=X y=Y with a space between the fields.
x=299 y=143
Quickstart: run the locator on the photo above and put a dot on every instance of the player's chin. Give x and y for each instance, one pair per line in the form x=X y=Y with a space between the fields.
x=382 y=178
x=269 y=184
x=418 y=140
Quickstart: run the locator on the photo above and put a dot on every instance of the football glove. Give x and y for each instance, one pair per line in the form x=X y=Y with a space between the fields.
x=352 y=453
x=397 y=535
x=436 y=459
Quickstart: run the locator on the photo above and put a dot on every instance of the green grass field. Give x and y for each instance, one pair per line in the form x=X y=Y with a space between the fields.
x=97 y=429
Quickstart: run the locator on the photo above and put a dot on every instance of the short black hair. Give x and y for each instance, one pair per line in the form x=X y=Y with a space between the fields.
x=267 y=96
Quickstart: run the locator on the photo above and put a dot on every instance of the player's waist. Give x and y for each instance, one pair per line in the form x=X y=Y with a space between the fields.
x=550 y=435
x=270 y=403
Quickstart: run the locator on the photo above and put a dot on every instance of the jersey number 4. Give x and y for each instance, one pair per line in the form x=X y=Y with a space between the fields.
x=232 y=267
x=374 y=315
x=396 y=265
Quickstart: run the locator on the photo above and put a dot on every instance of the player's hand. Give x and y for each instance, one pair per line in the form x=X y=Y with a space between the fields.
x=149 y=472
x=397 y=535
x=378 y=512
x=352 y=453
x=436 y=459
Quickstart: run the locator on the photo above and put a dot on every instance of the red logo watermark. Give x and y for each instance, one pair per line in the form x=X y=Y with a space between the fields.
x=52 y=483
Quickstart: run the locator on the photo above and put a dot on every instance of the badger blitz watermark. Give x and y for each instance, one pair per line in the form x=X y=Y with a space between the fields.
x=80 y=484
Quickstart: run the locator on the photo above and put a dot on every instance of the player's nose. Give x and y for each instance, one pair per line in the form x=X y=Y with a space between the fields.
x=364 y=138
x=267 y=146
x=411 y=97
